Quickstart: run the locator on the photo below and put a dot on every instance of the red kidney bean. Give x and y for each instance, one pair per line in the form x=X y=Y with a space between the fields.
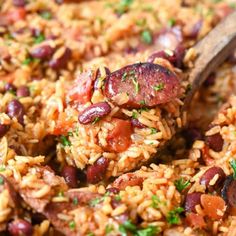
x=16 y=109
x=61 y=62
x=94 y=111
x=69 y=173
x=19 y=3
x=43 y=52
x=122 y=218
x=209 y=175
x=210 y=80
x=179 y=56
x=113 y=190
x=146 y=85
x=97 y=171
x=137 y=124
x=195 y=30
x=20 y=227
x=162 y=54
x=98 y=75
x=115 y=203
x=228 y=191
x=191 y=135
x=9 y=87
x=23 y=91
x=192 y=200
x=169 y=38
x=3 y=130
x=215 y=142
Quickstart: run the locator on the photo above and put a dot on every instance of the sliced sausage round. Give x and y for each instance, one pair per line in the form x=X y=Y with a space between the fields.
x=145 y=84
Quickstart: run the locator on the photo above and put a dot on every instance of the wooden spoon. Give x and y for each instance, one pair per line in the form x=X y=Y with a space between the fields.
x=212 y=50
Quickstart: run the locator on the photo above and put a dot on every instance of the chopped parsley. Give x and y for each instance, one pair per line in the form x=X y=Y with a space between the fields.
x=233 y=165
x=128 y=228
x=142 y=102
x=39 y=39
x=146 y=36
x=117 y=197
x=155 y=201
x=136 y=85
x=123 y=6
x=124 y=76
x=60 y=194
x=1 y=180
x=151 y=230
x=180 y=184
x=72 y=224
x=171 y=22
x=64 y=141
x=232 y=5
x=158 y=87
x=134 y=115
x=141 y=22
x=75 y=201
x=27 y=61
x=173 y=216
x=96 y=120
x=70 y=133
x=153 y=130
x=109 y=229
x=46 y=15
x=95 y=201
x=90 y=234
x=188 y=88
x=2 y=168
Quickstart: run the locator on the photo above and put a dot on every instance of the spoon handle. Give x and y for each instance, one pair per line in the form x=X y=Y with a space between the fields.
x=211 y=51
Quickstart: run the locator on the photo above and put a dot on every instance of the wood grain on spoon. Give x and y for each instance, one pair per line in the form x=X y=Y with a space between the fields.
x=212 y=50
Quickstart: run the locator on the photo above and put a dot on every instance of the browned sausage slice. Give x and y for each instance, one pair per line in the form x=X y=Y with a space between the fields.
x=142 y=85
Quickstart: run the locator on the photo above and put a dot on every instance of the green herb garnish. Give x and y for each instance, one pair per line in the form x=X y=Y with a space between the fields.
x=171 y=22
x=124 y=76
x=75 y=201
x=2 y=168
x=118 y=198
x=46 y=15
x=158 y=87
x=142 y=102
x=153 y=130
x=123 y=6
x=151 y=230
x=95 y=201
x=72 y=224
x=1 y=180
x=173 y=216
x=90 y=234
x=155 y=201
x=60 y=194
x=134 y=115
x=27 y=61
x=64 y=141
x=233 y=165
x=146 y=36
x=109 y=229
x=96 y=120
x=39 y=39
x=136 y=86
x=141 y=22
x=180 y=184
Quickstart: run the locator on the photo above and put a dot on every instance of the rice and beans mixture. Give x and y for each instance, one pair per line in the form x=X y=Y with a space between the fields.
x=89 y=92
